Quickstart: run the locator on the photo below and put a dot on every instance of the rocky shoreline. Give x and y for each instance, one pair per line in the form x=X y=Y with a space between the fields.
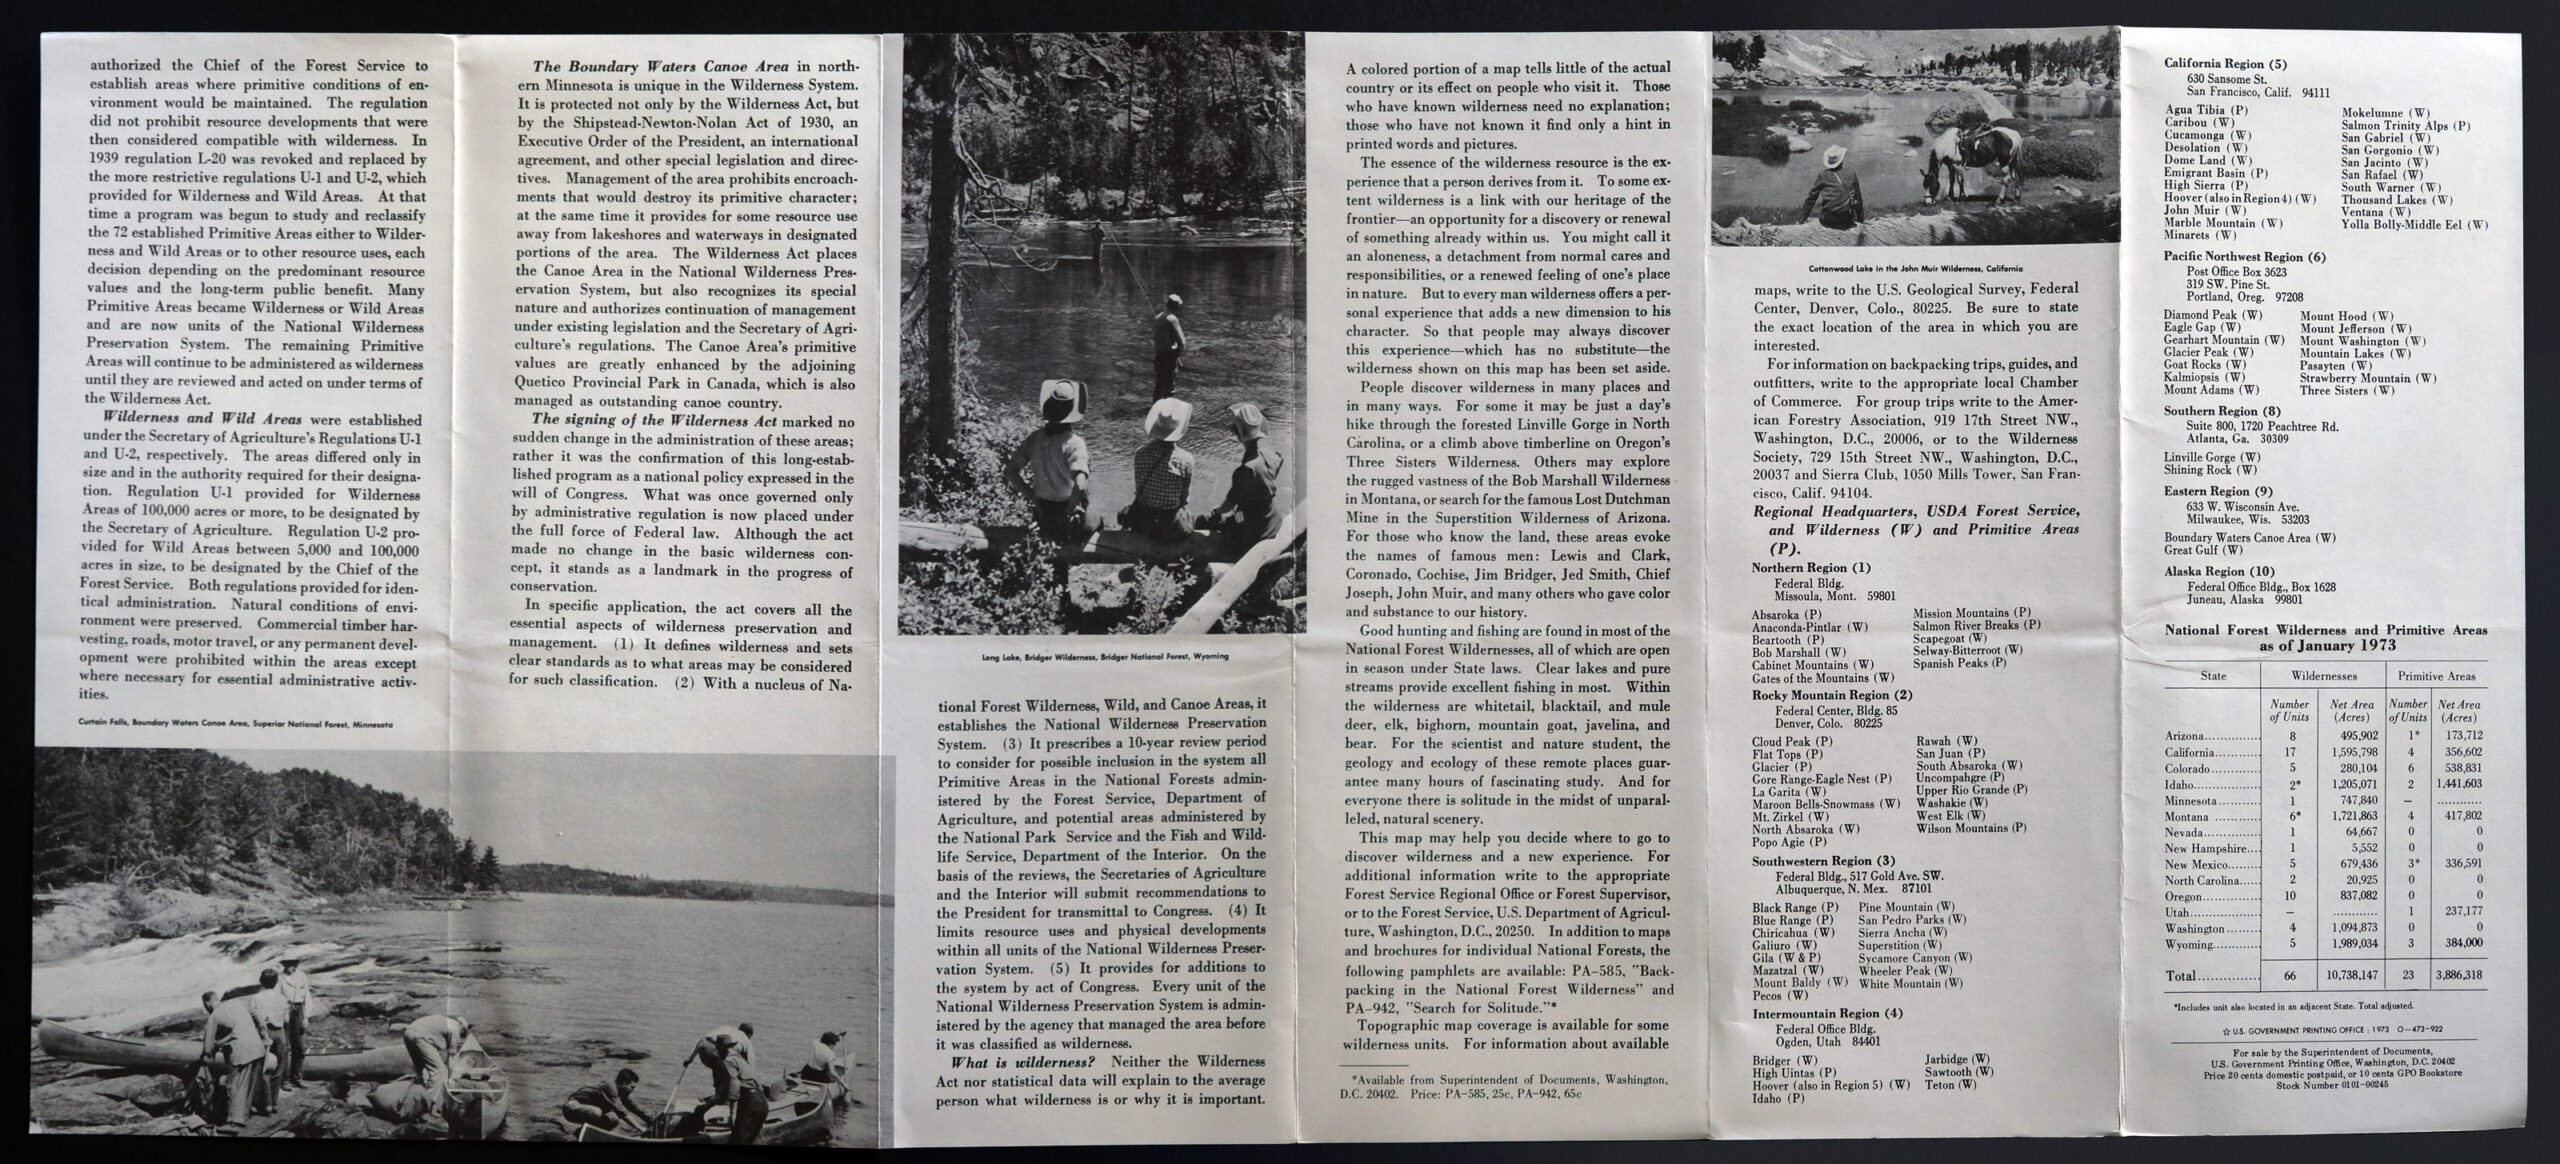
x=362 y=999
x=373 y=973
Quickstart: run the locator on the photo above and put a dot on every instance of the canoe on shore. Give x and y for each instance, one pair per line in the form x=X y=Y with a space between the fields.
x=472 y=1100
x=476 y=1099
x=798 y=1118
x=76 y=1046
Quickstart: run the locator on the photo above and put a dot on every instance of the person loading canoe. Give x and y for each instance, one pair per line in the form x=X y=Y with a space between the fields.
x=272 y=1013
x=608 y=1104
x=235 y=1048
x=433 y=1041
x=730 y=1053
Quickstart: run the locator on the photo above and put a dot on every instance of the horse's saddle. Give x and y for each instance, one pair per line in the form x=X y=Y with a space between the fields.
x=1982 y=147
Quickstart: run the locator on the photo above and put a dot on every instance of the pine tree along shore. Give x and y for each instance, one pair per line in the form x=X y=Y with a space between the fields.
x=181 y=817
x=540 y=877
x=160 y=843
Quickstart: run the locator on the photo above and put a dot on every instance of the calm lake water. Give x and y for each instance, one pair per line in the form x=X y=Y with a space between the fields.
x=1244 y=310
x=656 y=974
x=1876 y=148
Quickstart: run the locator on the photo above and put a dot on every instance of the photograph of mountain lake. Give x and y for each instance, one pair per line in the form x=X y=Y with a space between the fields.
x=1969 y=137
x=476 y=945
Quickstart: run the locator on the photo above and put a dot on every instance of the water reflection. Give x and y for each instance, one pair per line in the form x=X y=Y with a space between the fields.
x=571 y=972
x=1882 y=149
x=1041 y=302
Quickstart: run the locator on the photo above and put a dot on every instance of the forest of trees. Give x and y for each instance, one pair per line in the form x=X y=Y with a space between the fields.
x=181 y=814
x=2090 y=58
x=1110 y=125
x=1743 y=55
x=1085 y=125
x=542 y=877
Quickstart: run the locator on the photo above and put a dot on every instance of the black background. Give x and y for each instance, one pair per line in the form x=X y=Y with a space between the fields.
x=22 y=20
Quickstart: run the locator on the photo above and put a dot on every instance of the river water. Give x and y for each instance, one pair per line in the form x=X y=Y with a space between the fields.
x=1888 y=168
x=1041 y=306
x=652 y=973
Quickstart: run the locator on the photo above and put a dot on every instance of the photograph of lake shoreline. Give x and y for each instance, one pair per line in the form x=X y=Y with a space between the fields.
x=1102 y=334
x=665 y=899
x=1974 y=137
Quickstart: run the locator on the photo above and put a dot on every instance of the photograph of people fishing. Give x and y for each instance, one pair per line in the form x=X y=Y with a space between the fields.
x=1102 y=334
x=1963 y=137
x=674 y=949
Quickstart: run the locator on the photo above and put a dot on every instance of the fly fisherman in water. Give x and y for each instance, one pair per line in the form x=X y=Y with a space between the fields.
x=1163 y=468
x=1170 y=344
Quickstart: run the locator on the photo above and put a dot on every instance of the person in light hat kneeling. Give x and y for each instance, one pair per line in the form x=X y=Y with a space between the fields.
x=1163 y=470
x=1835 y=199
x=1052 y=467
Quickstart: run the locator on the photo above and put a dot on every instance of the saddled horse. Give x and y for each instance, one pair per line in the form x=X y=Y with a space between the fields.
x=1956 y=151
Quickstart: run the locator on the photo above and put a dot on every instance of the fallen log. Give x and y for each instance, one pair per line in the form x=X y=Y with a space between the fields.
x=1230 y=586
x=940 y=537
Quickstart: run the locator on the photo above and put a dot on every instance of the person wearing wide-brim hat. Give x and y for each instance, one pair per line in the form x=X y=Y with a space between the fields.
x=1052 y=467
x=1170 y=344
x=1253 y=492
x=1163 y=469
x=1835 y=199
x=295 y=986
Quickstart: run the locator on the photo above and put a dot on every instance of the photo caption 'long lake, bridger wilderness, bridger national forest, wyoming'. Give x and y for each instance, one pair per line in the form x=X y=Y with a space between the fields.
x=1102 y=365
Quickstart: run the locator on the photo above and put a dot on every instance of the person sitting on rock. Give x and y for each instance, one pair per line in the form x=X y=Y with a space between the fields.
x=1835 y=200
x=1247 y=515
x=1163 y=469
x=1052 y=466
x=731 y=1054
